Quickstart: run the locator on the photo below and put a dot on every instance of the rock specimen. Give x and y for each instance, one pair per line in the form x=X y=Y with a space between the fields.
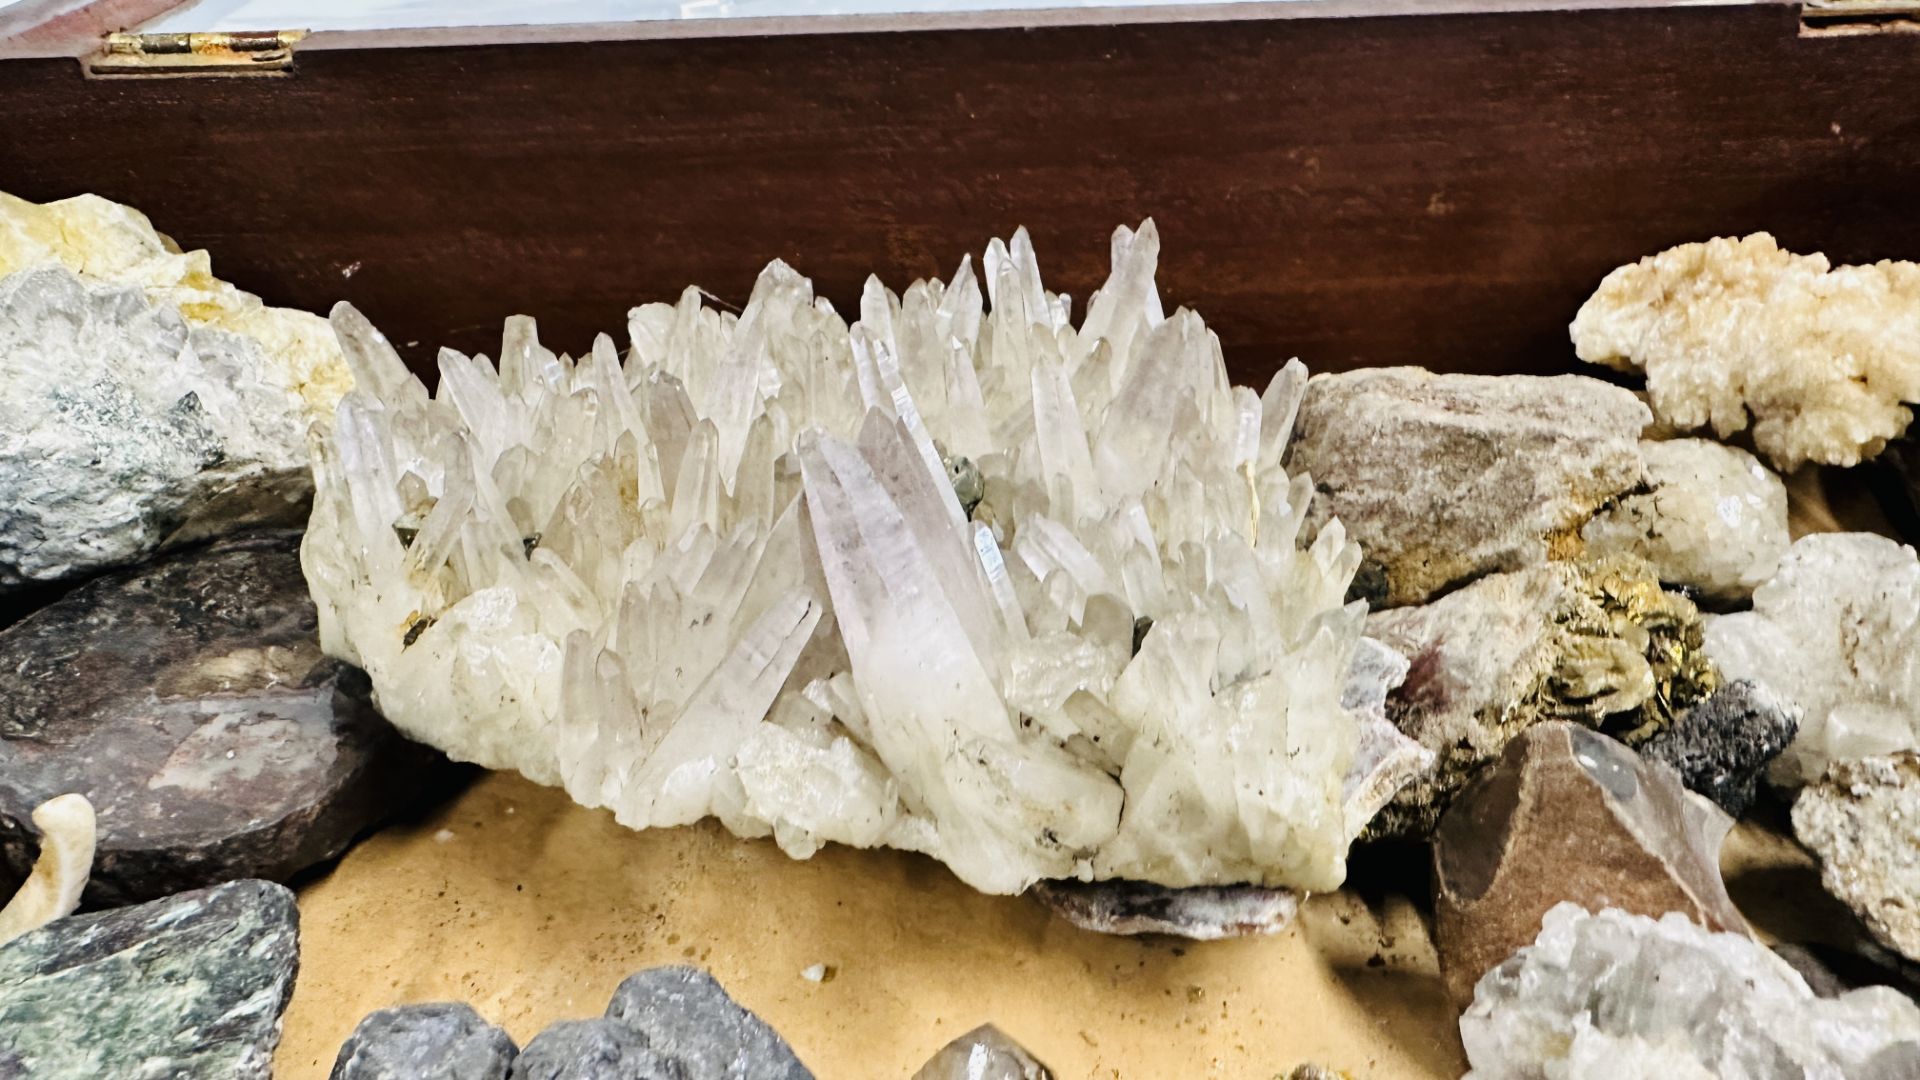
x=1027 y=597
x=1569 y=815
x=1723 y=745
x=1445 y=478
x=1837 y=632
x=1598 y=642
x=190 y=703
x=437 y=1041
x=59 y=875
x=594 y=1050
x=684 y=1014
x=1616 y=996
x=145 y=403
x=1820 y=358
x=1859 y=819
x=189 y=986
x=985 y=1053
x=1714 y=519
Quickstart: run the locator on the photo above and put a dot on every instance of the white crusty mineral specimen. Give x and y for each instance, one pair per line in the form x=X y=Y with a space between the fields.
x=52 y=891
x=1837 y=632
x=1714 y=518
x=1021 y=595
x=143 y=402
x=1615 y=996
x=1859 y=818
x=1818 y=359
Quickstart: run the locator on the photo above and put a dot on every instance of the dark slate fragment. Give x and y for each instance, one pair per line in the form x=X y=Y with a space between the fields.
x=685 y=1013
x=598 y=1049
x=189 y=701
x=190 y=986
x=1721 y=746
x=435 y=1041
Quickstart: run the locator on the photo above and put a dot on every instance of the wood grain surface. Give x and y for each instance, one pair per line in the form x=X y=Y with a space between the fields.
x=1441 y=190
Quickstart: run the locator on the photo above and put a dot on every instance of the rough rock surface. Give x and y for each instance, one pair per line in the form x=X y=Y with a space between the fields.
x=1444 y=478
x=189 y=701
x=1569 y=815
x=1616 y=996
x=1862 y=819
x=1722 y=746
x=599 y=1049
x=1837 y=632
x=985 y=1053
x=435 y=1041
x=189 y=986
x=1820 y=358
x=1715 y=519
x=685 y=1014
x=1594 y=641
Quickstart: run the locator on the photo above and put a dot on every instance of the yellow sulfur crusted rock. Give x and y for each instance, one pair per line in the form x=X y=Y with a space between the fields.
x=105 y=242
x=1819 y=359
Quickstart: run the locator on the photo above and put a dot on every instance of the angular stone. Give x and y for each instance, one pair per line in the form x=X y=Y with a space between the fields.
x=1569 y=815
x=1836 y=631
x=685 y=1014
x=1819 y=358
x=434 y=1041
x=188 y=700
x=1714 y=520
x=1859 y=820
x=985 y=1053
x=1617 y=996
x=1723 y=745
x=1598 y=642
x=1445 y=478
x=189 y=986
x=598 y=1049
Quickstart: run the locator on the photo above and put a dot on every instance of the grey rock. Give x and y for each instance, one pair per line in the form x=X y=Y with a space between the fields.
x=191 y=986
x=1859 y=820
x=1445 y=478
x=124 y=432
x=189 y=701
x=435 y=1041
x=985 y=1053
x=598 y=1049
x=684 y=1013
x=1721 y=746
x=1203 y=913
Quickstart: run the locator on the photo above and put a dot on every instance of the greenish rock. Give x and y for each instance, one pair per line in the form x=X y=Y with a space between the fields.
x=191 y=986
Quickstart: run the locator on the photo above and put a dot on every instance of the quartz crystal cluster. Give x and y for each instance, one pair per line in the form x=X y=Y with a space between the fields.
x=1819 y=359
x=144 y=403
x=1613 y=996
x=961 y=577
x=1837 y=632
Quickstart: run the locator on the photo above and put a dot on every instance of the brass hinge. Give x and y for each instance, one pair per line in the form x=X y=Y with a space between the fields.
x=156 y=56
x=1836 y=17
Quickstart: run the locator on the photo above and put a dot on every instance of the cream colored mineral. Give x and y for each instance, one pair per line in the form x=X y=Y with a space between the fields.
x=1713 y=518
x=1820 y=360
x=59 y=875
x=1026 y=596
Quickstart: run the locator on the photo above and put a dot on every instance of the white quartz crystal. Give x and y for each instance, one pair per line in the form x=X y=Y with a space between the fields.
x=124 y=430
x=1837 y=632
x=1714 y=518
x=1819 y=359
x=731 y=576
x=1615 y=996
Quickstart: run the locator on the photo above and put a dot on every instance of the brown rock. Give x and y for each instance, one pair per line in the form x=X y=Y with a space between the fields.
x=1569 y=815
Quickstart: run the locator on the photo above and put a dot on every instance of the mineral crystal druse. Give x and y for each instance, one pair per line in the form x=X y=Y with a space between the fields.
x=1615 y=996
x=1819 y=358
x=143 y=402
x=1836 y=632
x=1026 y=596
